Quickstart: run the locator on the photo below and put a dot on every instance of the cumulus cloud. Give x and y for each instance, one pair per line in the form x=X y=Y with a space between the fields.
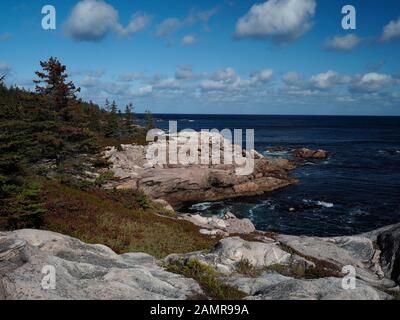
x=283 y=21
x=327 y=80
x=228 y=80
x=92 y=20
x=228 y=86
x=391 y=31
x=372 y=83
x=320 y=82
x=188 y=40
x=342 y=43
x=139 y=21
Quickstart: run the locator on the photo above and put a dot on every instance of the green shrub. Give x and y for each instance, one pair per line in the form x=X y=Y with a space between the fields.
x=246 y=268
x=207 y=278
x=144 y=201
x=103 y=178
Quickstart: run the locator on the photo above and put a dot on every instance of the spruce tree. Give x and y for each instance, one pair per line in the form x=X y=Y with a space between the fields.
x=149 y=121
x=129 y=118
x=53 y=83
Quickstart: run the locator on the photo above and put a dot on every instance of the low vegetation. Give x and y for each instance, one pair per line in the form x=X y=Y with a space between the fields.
x=121 y=220
x=207 y=278
x=322 y=268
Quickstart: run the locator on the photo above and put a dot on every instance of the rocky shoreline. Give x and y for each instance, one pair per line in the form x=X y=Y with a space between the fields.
x=246 y=263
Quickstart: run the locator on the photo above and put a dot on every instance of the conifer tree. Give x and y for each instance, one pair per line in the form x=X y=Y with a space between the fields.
x=129 y=118
x=53 y=83
x=149 y=121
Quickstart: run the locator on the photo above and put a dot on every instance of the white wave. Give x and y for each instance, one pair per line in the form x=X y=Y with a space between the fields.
x=320 y=203
x=201 y=206
x=325 y=204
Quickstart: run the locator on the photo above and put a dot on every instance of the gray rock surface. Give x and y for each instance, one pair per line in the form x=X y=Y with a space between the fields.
x=318 y=289
x=225 y=226
x=86 y=271
x=82 y=271
x=356 y=251
x=389 y=243
x=196 y=181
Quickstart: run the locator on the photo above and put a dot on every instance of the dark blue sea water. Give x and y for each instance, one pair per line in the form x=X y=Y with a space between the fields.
x=356 y=190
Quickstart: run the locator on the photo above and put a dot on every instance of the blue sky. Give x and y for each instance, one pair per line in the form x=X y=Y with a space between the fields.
x=228 y=56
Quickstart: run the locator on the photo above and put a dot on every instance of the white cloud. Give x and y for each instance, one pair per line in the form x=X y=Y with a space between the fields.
x=342 y=43
x=144 y=91
x=265 y=75
x=281 y=20
x=228 y=80
x=321 y=82
x=328 y=80
x=372 y=83
x=188 y=40
x=92 y=20
x=391 y=31
x=139 y=21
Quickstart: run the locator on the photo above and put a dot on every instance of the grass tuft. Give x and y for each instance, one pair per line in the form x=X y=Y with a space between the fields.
x=207 y=278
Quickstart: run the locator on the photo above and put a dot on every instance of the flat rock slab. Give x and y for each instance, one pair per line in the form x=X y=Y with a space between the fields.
x=82 y=271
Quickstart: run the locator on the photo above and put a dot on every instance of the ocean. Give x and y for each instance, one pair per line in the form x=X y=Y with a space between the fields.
x=357 y=189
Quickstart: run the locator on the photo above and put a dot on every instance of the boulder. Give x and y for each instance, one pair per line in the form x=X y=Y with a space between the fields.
x=306 y=153
x=82 y=271
x=389 y=244
x=229 y=224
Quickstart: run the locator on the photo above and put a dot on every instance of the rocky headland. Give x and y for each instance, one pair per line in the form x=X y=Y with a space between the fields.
x=181 y=184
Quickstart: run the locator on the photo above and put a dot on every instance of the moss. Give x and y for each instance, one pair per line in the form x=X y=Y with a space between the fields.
x=207 y=278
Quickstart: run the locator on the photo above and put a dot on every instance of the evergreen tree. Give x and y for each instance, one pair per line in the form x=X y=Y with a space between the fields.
x=149 y=121
x=53 y=83
x=112 y=125
x=129 y=118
